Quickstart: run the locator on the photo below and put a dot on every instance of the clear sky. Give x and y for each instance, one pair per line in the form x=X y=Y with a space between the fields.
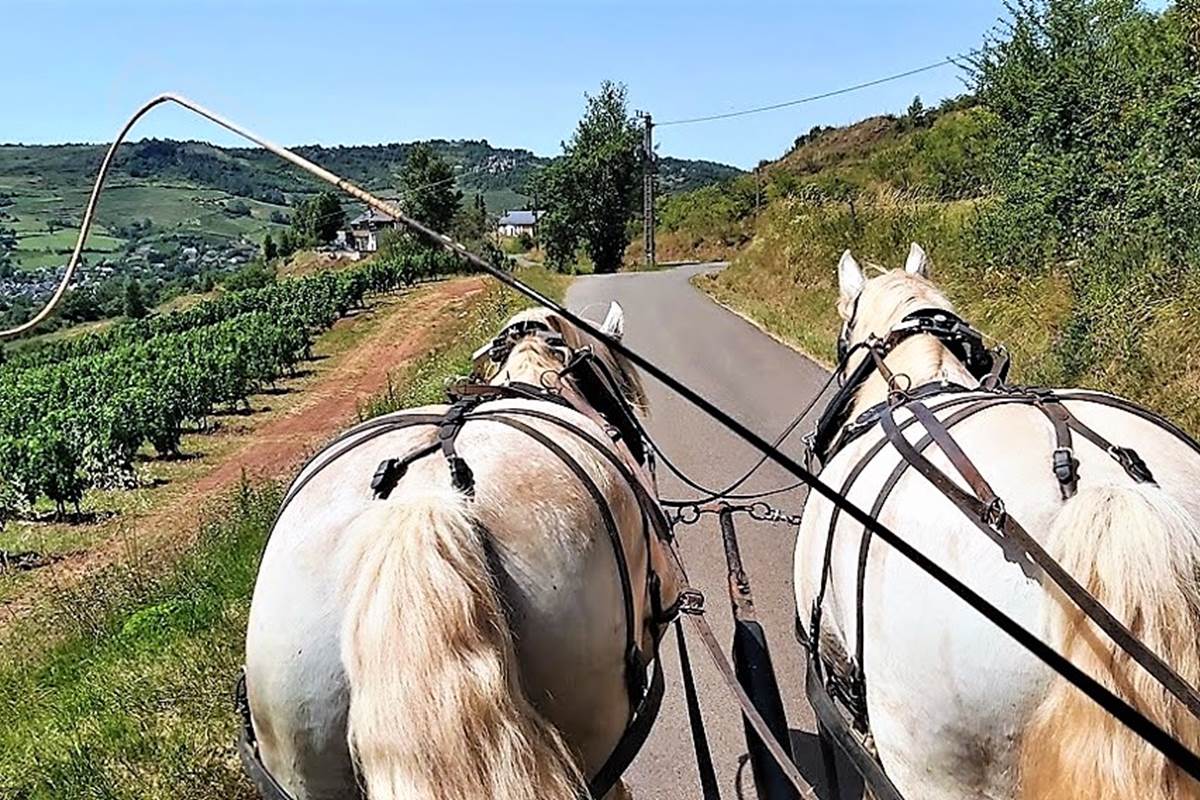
x=509 y=71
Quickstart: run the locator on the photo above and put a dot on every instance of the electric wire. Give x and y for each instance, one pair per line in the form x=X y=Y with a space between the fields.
x=1147 y=729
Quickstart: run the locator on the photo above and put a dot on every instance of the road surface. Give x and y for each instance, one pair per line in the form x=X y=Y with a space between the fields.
x=764 y=384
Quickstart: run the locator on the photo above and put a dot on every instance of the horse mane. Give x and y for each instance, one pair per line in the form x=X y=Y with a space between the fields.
x=888 y=298
x=532 y=353
x=883 y=302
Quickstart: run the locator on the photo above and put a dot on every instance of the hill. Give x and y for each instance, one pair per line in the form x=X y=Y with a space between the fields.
x=175 y=214
x=181 y=193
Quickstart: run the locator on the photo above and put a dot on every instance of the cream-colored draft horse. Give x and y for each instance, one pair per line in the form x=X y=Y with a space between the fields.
x=433 y=645
x=957 y=709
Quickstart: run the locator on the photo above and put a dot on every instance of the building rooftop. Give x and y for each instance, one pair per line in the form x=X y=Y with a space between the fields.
x=520 y=217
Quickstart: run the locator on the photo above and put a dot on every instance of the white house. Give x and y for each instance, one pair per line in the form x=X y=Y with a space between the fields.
x=518 y=223
x=367 y=228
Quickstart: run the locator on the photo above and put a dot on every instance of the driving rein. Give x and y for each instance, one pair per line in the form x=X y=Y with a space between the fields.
x=836 y=684
x=624 y=450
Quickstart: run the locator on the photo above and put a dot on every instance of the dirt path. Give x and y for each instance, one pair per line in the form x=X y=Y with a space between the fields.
x=271 y=446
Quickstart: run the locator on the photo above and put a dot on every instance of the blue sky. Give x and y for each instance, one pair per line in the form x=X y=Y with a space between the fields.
x=511 y=72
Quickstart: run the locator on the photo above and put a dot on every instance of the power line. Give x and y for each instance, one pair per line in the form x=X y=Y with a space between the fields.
x=949 y=60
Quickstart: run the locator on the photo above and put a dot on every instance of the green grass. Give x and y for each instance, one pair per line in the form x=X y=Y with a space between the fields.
x=121 y=687
x=423 y=382
x=65 y=240
x=137 y=701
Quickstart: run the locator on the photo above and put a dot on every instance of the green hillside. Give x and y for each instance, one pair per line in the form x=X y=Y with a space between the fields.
x=1057 y=201
x=184 y=189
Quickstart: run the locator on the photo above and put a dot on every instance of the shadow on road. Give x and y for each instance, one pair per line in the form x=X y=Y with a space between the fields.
x=806 y=749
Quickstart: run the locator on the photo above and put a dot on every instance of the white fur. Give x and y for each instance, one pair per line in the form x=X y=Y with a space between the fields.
x=850 y=277
x=957 y=709
x=454 y=663
x=614 y=321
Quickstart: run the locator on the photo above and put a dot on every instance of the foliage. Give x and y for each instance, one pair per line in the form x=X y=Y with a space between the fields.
x=318 y=219
x=135 y=304
x=430 y=194
x=471 y=222
x=287 y=243
x=75 y=412
x=1097 y=151
x=237 y=208
x=1058 y=201
x=591 y=193
x=269 y=249
x=254 y=275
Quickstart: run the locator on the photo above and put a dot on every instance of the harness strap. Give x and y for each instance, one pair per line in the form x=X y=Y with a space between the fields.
x=991 y=518
x=853 y=692
x=813 y=635
x=834 y=725
x=704 y=763
x=635 y=735
x=635 y=667
x=461 y=476
x=750 y=712
x=390 y=471
x=1062 y=462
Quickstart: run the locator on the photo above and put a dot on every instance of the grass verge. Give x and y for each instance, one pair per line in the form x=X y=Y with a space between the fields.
x=130 y=695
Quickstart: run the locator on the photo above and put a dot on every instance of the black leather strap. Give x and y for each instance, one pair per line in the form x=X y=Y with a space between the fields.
x=1019 y=545
x=704 y=764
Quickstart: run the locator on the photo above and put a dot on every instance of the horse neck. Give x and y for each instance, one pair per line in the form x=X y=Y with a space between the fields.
x=922 y=359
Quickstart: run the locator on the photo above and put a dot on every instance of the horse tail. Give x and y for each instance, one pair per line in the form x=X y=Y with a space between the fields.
x=1138 y=552
x=436 y=705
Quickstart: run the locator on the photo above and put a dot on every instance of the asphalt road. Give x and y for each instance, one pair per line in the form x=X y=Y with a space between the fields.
x=764 y=384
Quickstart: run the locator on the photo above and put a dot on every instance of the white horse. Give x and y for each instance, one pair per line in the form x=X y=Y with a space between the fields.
x=436 y=645
x=956 y=708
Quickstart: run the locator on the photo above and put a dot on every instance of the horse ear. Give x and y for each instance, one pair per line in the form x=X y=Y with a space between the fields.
x=850 y=277
x=918 y=262
x=614 y=323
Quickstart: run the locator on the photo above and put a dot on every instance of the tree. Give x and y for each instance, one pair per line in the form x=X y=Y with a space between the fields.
x=471 y=224
x=8 y=242
x=135 y=303
x=915 y=116
x=318 y=219
x=269 y=250
x=590 y=193
x=237 y=208
x=428 y=182
x=287 y=243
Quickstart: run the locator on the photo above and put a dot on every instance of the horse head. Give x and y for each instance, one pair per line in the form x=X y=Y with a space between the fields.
x=875 y=305
x=537 y=344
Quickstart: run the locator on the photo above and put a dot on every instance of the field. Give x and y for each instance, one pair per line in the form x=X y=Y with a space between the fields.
x=121 y=687
x=44 y=218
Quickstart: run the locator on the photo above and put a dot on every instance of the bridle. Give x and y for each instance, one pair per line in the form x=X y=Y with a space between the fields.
x=833 y=430
x=502 y=345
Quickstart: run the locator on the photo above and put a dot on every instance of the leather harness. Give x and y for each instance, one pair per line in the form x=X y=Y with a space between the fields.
x=593 y=380
x=836 y=681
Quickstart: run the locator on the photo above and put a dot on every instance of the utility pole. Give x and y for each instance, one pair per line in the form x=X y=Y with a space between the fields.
x=649 y=167
x=757 y=189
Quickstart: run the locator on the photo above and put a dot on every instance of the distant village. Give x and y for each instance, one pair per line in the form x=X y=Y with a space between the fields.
x=148 y=261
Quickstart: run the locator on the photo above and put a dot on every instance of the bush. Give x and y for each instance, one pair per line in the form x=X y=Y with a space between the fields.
x=254 y=275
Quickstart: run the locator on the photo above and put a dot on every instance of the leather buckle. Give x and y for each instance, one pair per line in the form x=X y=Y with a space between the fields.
x=1065 y=465
x=1133 y=464
x=690 y=601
